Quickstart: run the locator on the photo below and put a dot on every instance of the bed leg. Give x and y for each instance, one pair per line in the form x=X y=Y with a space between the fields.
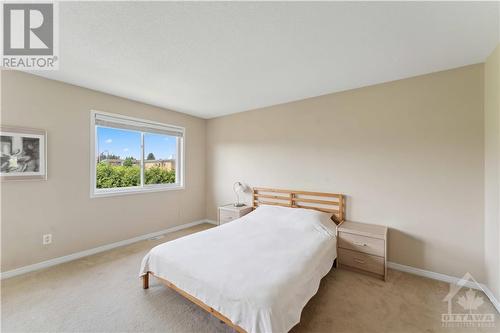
x=145 y=281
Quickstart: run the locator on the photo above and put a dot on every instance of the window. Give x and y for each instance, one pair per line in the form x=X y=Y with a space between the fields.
x=131 y=155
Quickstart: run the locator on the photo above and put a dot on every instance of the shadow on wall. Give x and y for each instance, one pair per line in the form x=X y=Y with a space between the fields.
x=413 y=249
x=347 y=205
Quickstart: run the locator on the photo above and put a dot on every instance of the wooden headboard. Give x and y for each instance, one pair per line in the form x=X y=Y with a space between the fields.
x=325 y=202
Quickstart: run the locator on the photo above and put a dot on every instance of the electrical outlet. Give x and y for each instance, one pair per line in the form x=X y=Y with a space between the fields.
x=47 y=239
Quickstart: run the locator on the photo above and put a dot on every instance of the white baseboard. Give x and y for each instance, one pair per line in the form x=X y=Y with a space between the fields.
x=212 y=222
x=78 y=255
x=445 y=278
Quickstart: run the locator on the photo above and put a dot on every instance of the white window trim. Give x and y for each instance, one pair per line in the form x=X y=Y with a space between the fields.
x=98 y=193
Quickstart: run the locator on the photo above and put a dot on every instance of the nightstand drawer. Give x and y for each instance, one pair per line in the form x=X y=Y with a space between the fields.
x=225 y=219
x=363 y=244
x=230 y=213
x=362 y=261
x=227 y=216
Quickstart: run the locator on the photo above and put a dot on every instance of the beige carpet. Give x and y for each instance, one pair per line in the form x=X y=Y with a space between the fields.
x=102 y=293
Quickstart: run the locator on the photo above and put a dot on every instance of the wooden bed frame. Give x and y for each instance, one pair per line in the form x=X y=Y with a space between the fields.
x=301 y=199
x=212 y=311
x=334 y=204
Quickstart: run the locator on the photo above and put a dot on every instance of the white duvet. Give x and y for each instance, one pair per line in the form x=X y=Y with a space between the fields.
x=259 y=271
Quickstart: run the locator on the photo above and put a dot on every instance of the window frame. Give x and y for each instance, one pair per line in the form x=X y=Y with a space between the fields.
x=143 y=188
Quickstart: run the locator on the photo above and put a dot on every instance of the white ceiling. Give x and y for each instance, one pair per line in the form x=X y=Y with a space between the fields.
x=212 y=59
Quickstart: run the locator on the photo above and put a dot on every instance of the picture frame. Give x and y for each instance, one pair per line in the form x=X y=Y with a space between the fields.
x=23 y=153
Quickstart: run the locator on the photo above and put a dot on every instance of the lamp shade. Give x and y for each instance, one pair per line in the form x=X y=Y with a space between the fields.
x=238 y=187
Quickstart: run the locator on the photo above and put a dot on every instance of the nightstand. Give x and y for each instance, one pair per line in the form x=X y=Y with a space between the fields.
x=363 y=248
x=228 y=213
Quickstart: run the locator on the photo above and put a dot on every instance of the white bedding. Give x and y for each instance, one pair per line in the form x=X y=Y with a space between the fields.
x=259 y=271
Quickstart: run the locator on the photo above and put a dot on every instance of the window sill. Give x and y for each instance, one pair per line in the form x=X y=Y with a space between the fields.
x=131 y=190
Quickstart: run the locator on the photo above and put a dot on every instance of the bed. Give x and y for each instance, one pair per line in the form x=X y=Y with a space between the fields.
x=258 y=272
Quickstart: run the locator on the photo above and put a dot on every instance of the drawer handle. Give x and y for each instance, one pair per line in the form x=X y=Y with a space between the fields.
x=359 y=261
x=360 y=244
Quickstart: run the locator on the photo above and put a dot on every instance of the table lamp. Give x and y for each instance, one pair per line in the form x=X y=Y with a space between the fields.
x=238 y=187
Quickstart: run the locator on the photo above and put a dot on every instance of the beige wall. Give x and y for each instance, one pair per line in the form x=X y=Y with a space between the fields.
x=62 y=205
x=408 y=154
x=492 y=170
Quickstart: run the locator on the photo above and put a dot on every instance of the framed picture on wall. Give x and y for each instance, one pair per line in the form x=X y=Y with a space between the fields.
x=23 y=153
